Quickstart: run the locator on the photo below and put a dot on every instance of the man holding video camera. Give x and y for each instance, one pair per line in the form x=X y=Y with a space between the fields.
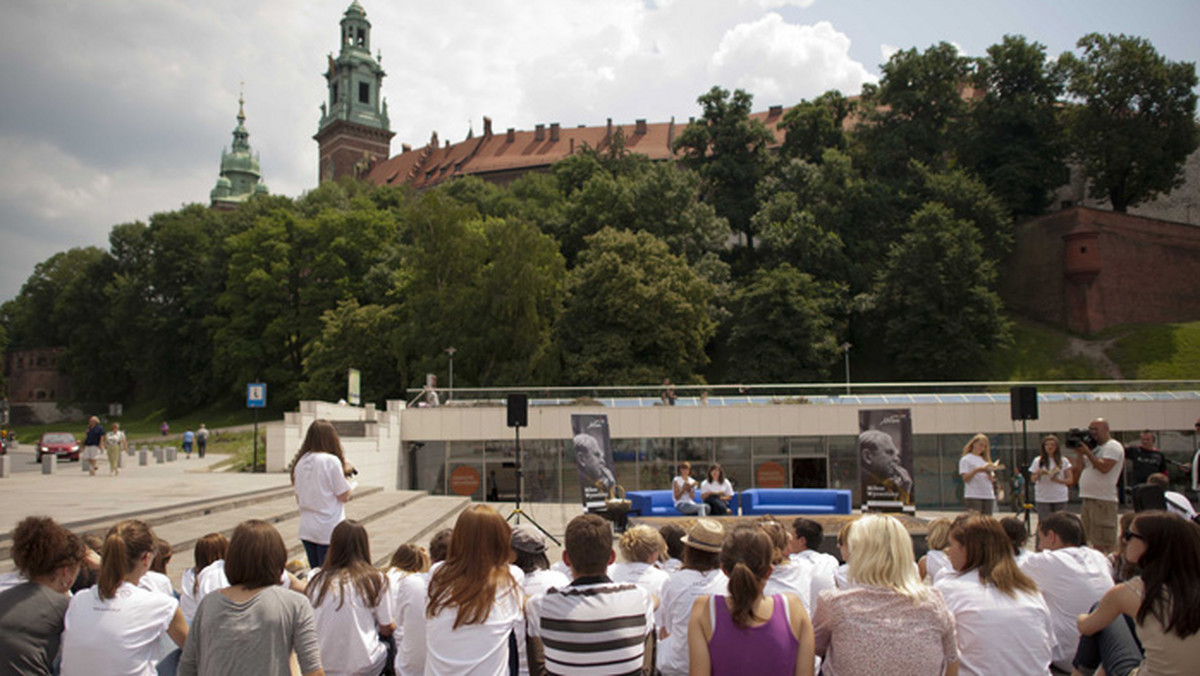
x=1100 y=459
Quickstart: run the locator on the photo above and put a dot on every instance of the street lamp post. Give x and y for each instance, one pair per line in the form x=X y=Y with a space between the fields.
x=450 y=393
x=846 y=352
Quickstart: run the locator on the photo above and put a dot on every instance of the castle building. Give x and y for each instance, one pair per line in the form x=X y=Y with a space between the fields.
x=240 y=174
x=353 y=133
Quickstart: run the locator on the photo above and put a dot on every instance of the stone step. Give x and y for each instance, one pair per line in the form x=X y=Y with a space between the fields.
x=415 y=524
x=157 y=518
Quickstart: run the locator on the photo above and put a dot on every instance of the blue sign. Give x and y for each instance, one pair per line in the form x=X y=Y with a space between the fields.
x=256 y=395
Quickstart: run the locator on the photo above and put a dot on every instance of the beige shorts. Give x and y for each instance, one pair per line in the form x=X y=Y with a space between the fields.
x=1100 y=523
x=91 y=452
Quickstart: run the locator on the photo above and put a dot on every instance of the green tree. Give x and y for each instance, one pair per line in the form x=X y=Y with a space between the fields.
x=635 y=314
x=1015 y=141
x=970 y=200
x=916 y=111
x=782 y=327
x=1135 y=123
x=354 y=336
x=936 y=300
x=811 y=127
x=729 y=149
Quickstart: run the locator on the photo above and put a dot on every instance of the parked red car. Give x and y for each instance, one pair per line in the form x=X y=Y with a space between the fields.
x=62 y=444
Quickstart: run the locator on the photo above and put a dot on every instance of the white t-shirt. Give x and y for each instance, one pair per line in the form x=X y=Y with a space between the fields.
x=187 y=598
x=1048 y=491
x=720 y=488
x=117 y=636
x=824 y=566
x=997 y=633
x=349 y=636
x=936 y=562
x=978 y=487
x=156 y=582
x=644 y=575
x=792 y=577
x=408 y=607
x=535 y=582
x=473 y=649
x=684 y=495
x=670 y=565
x=674 y=610
x=320 y=479
x=1097 y=485
x=1071 y=580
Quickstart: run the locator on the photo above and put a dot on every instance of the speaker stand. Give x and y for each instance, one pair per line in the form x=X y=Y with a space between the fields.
x=517 y=512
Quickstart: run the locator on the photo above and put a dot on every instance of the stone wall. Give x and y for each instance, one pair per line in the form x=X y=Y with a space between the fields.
x=1087 y=270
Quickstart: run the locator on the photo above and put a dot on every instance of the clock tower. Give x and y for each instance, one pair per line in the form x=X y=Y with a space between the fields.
x=353 y=133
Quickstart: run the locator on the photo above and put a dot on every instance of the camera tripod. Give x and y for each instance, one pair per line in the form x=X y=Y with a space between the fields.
x=517 y=512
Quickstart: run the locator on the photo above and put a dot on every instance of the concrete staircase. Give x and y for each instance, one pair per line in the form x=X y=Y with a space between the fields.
x=392 y=518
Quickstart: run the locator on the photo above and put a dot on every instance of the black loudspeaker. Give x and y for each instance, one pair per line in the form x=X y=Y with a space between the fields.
x=1024 y=402
x=518 y=410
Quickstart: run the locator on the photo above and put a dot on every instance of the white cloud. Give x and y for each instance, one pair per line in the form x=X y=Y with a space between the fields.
x=886 y=52
x=784 y=62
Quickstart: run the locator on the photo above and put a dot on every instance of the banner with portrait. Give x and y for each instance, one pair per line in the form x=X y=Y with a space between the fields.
x=885 y=459
x=593 y=457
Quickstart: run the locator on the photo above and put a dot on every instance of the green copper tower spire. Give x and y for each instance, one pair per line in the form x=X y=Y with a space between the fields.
x=353 y=132
x=240 y=174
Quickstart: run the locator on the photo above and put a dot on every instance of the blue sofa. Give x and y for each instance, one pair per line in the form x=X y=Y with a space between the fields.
x=759 y=501
x=661 y=503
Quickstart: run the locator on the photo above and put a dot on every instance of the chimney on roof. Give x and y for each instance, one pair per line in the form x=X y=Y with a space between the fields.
x=554 y=132
x=640 y=126
x=405 y=148
x=774 y=111
x=487 y=126
x=608 y=134
x=572 y=151
x=671 y=136
x=510 y=135
x=539 y=133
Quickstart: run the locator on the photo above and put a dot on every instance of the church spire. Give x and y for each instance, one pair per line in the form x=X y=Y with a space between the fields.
x=240 y=174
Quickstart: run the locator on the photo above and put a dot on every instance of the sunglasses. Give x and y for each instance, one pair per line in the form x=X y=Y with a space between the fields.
x=1129 y=535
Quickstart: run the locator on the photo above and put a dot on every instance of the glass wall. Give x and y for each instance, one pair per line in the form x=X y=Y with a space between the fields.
x=482 y=469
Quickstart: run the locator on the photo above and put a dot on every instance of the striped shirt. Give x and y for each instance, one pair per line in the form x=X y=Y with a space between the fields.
x=592 y=627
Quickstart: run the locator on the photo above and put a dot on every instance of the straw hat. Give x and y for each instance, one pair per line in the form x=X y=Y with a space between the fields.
x=706 y=535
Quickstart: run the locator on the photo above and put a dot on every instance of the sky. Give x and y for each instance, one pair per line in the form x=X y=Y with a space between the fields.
x=114 y=110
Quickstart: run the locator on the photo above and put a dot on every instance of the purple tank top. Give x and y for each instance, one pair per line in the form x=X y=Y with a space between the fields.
x=766 y=649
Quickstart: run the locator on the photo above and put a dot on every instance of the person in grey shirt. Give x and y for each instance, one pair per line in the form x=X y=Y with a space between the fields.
x=252 y=626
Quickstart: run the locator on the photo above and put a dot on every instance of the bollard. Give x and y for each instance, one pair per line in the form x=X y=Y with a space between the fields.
x=49 y=464
x=5 y=466
x=143 y=457
x=160 y=455
x=172 y=453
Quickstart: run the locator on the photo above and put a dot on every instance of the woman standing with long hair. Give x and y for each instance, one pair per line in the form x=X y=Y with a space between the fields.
x=1051 y=474
x=979 y=475
x=352 y=605
x=995 y=605
x=48 y=557
x=320 y=479
x=114 y=626
x=745 y=632
x=887 y=621
x=253 y=625
x=1163 y=602
x=474 y=603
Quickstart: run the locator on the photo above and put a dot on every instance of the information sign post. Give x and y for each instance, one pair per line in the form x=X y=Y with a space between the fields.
x=256 y=398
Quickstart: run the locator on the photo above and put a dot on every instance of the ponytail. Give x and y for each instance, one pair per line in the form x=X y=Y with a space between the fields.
x=746 y=559
x=124 y=545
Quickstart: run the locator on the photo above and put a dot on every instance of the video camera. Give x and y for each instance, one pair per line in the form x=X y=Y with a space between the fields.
x=1077 y=438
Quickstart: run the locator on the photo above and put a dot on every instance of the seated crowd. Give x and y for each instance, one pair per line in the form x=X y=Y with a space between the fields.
x=759 y=598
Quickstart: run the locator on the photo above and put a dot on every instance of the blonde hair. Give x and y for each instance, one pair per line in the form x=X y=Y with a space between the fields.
x=938 y=536
x=641 y=544
x=987 y=446
x=881 y=555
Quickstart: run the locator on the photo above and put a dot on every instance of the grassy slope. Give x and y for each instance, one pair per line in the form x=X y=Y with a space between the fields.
x=1157 y=351
x=1038 y=352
